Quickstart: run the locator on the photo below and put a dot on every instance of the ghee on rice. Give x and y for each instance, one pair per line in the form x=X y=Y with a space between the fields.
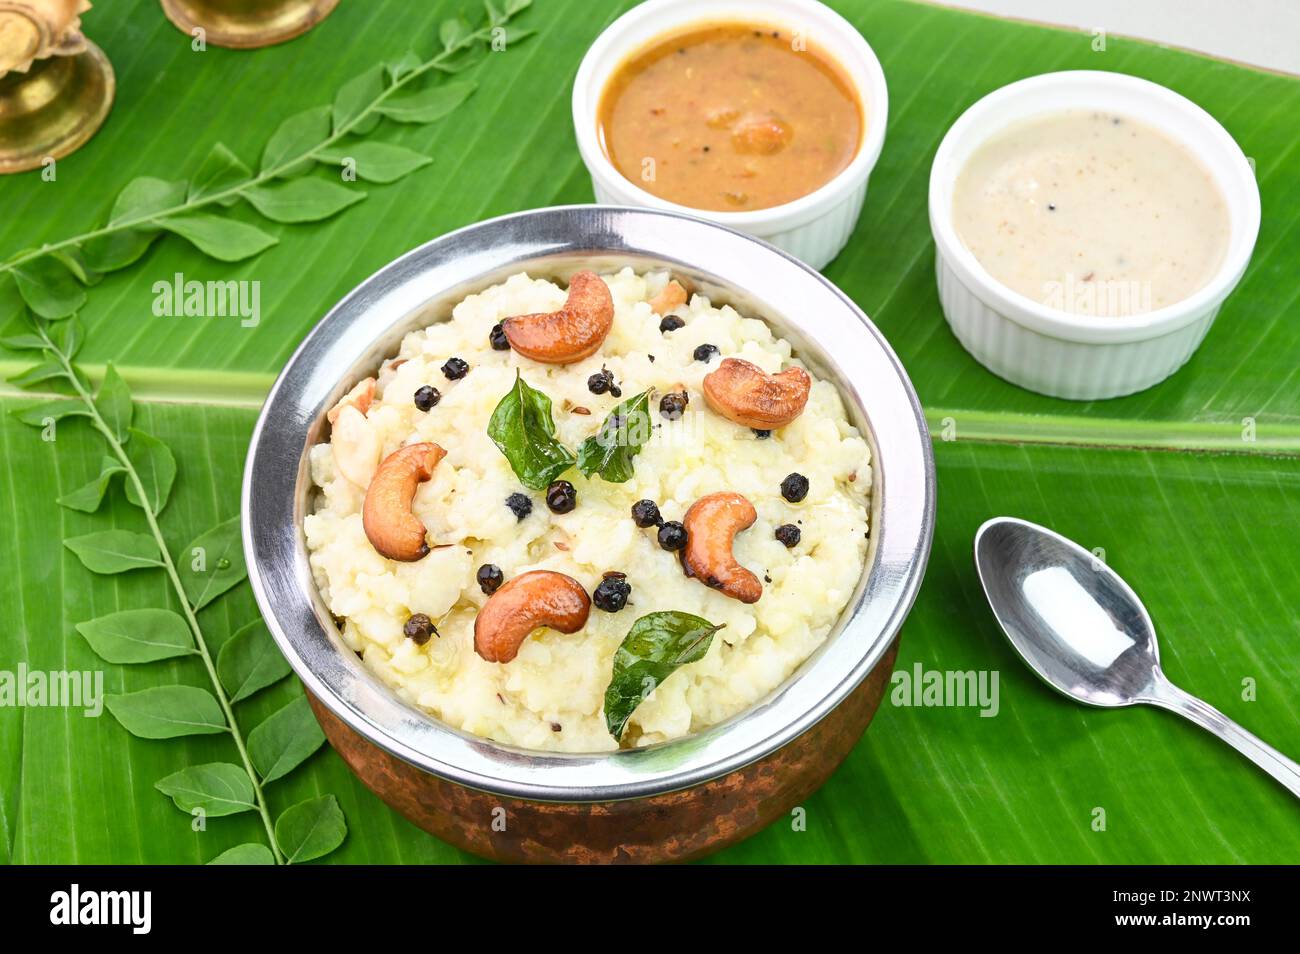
x=551 y=696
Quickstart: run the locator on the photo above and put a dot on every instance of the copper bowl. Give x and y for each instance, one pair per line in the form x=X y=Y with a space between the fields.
x=666 y=802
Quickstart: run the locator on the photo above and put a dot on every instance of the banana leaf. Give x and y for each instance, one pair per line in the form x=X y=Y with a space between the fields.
x=1197 y=517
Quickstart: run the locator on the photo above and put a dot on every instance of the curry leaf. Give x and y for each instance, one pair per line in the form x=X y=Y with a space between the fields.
x=88 y=497
x=48 y=287
x=284 y=740
x=610 y=452
x=248 y=854
x=37 y=374
x=221 y=171
x=39 y=415
x=288 y=151
x=118 y=249
x=524 y=431
x=138 y=636
x=657 y=646
x=144 y=198
x=453 y=32
x=354 y=98
x=115 y=551
x=156 y=467
x=427 y=105
x=302 y=200
x=377 y=161
x=401 y=68
x=66 y=336
x=167 y=712
x=212 y=563
x=114 y=404
x=310 y=829
x=75 y=260
x=226 y=239
x=23 y=342
x=249 y=661
x=463 y=59
x=217 y=788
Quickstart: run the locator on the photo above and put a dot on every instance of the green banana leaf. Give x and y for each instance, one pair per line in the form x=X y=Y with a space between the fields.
x=1198 y=519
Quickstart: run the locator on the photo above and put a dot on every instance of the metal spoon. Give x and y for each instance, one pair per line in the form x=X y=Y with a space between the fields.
x=1087 y=635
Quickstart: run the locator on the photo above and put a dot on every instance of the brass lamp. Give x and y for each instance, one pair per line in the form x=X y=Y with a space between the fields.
x=244 y=24
x=56 y=87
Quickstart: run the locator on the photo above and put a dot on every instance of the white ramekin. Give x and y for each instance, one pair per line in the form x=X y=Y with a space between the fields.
x=1079 y=356
x=814 y=227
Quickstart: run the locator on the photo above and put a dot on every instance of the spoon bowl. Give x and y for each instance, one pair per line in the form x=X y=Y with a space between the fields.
x=1085 y=633
x=1071 y=618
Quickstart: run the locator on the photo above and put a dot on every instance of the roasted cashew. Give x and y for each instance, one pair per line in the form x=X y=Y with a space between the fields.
x=533 y=599
x=570 y=334
x=359 y=397
x=390 y=526
x=746 y=394
x=672 y=296
x=712 y=523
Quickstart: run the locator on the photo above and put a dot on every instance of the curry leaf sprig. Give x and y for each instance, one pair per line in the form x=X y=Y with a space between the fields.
x=52 y=279
x=211 y=565
x=523 y=429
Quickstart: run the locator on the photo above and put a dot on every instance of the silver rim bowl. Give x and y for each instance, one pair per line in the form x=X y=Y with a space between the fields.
x=828 y=332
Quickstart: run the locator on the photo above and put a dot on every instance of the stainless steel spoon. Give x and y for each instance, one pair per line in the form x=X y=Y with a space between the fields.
x=1086 y=634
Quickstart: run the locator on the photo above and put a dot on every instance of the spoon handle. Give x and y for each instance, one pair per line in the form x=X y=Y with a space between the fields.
x=1168 y=696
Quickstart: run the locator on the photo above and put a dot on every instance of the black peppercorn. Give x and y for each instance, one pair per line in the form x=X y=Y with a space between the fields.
x=788 y=534
x=490 y=578
x=645 y=513
x=794 y=488
x=705 y=352
x=673 y=405
x=611 y=594
x=455 y=368
x=561 y=496
x=602 y=381
x=670 y=323
x=426 y=397
x=497 y=338
x=419 y=628
x=520 y=505
x=672 y=536
x=761 y=435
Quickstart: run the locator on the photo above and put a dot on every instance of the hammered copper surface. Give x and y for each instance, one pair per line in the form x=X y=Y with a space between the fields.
x=676 y=826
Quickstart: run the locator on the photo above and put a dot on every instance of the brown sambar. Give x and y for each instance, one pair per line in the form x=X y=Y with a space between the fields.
x=730 y=117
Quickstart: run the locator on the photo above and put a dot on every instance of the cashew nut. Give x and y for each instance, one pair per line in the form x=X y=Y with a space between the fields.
x=746 y=394
x=533 y=599
x=386 y=515
x=355 y=444
x=359 y=397
x=712 y=523
x=570 y=334
x=671 y=297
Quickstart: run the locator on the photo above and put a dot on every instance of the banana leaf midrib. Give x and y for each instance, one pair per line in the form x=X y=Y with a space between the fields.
x=1272 y=438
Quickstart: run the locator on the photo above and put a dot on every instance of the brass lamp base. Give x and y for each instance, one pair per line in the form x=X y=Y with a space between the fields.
x=53 y=108
x=246 y=24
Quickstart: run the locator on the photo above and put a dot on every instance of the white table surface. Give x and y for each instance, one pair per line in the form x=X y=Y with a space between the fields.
x=1262 y=32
